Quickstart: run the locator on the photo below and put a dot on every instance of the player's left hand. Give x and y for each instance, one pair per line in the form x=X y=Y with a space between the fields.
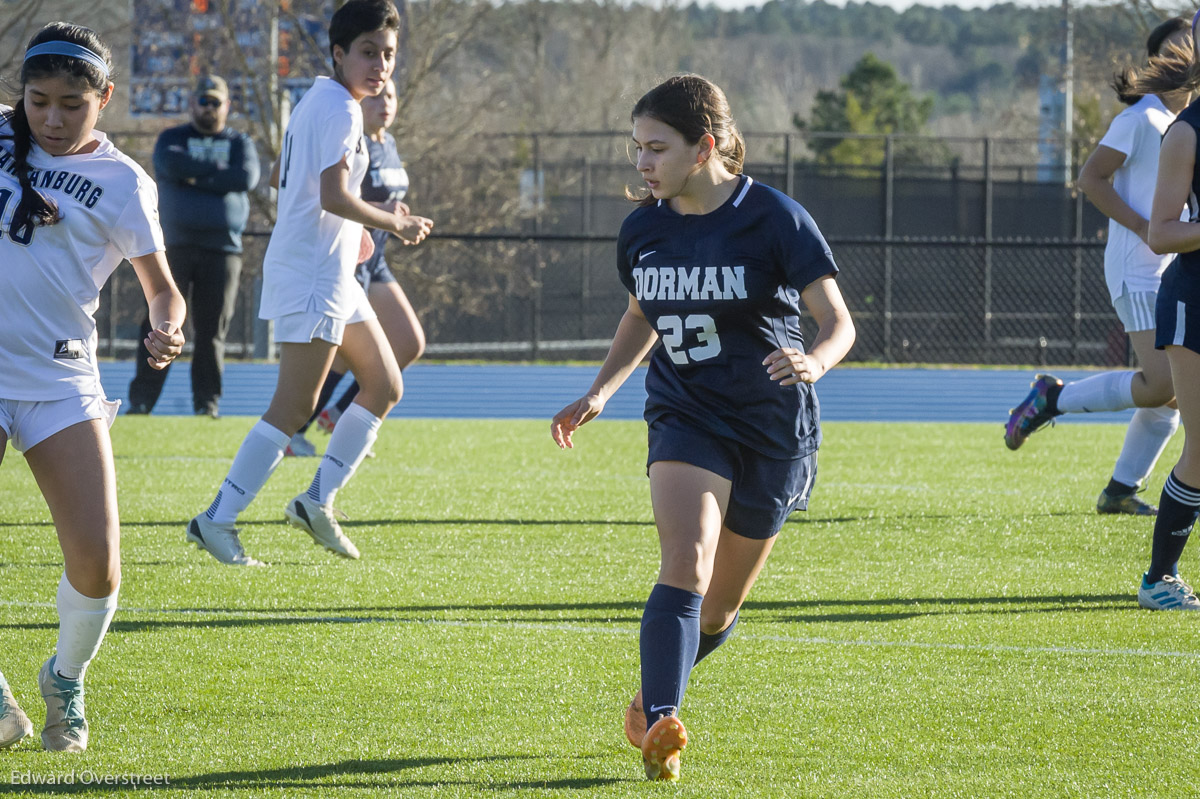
x=790 y=366
x=163 y=343
x=570 y=418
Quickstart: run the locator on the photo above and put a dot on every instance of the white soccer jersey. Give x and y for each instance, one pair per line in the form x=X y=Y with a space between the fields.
x=50 y=277
x=310 y=259
x=1129 y=263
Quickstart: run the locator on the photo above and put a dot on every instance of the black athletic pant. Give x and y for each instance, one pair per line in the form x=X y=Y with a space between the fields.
x=211 y=279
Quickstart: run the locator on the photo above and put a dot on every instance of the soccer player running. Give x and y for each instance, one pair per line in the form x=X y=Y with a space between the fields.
x=72 y=207
x=386 y=182
x=310 y=292
x=1119 y=180
x=1177 y=332
x=716 y=266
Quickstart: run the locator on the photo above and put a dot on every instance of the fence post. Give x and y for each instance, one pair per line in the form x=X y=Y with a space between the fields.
x=1077 y=303
x=789 y=167
x=889 y=180
x=585 y=275
x=988 y=212
x=535 y=326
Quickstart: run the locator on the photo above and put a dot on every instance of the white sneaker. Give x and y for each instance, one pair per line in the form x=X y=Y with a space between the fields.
x=66 y=729
x=300 y=447
x=1169 y=593
x=328 y=419
x=219 y=540
x=317 y=521
x=14 y=724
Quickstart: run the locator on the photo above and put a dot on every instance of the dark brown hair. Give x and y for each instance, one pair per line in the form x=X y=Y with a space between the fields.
x=1173 y=69
x=1124 y=83
x=694 y=106
x=358 y=17
x=36 y=208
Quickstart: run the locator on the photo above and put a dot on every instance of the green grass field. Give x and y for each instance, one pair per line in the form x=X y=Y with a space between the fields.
x=949 y=619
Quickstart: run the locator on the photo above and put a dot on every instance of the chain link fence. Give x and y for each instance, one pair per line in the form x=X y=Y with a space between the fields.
x=952 y=251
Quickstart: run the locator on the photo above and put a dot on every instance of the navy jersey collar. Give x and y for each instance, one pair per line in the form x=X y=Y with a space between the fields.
x=734 y=201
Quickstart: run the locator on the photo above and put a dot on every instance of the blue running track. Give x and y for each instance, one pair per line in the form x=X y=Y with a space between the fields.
x=538 y=392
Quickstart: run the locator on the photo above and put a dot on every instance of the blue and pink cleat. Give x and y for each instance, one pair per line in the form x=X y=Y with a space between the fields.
x=1033 y=413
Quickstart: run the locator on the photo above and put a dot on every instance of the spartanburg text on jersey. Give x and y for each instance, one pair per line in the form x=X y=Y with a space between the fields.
x=723 y=291
x=310 y=258
x=51 y=276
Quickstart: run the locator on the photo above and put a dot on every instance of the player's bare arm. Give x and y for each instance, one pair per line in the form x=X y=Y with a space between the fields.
x=167 y=308
x=835 y=337
x=1176 y=161
x=632 y=341
x=338 y=199
x=1095 y=180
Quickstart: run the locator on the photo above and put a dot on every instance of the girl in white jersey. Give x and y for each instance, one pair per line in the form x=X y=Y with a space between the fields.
x=71 y=208
x=309 y=290
x=1119 y=180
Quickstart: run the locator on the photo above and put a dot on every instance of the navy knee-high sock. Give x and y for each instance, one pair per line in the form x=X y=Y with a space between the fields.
x=348 y=397
x=1177 y=511
x=669 y=642
x=710 y=642
x=331 y=381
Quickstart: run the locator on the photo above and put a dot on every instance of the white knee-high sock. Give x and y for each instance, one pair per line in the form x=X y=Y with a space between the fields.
x=1147 y=436
x=356 y=431
x=82 y=623
x=256 y=459
x=1111 y=391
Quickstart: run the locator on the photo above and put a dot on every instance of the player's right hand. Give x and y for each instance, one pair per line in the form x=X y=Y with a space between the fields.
x=412 y=229
x=163 y=344
x=572 y=417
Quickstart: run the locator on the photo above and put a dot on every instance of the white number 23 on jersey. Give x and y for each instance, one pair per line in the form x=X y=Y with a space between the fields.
x=708 y=343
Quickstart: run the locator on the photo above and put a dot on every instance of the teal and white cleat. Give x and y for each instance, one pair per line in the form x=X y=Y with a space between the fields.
x=66 y=729
x=15 y=726
x=1032 y=414
x=1169 y=593
x=318 y=522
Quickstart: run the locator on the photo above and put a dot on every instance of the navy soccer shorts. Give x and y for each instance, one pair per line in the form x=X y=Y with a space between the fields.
x=764 y=491
x=1176 y=323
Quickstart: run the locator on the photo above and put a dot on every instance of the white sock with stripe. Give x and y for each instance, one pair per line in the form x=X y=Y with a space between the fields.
x=1110 y=391
x=256 y=459
x=356 y=431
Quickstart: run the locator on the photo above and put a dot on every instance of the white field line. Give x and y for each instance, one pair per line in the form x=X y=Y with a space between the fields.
x=551 y=626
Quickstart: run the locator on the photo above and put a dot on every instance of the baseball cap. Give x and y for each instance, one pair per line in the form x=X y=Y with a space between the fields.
x=211 y=86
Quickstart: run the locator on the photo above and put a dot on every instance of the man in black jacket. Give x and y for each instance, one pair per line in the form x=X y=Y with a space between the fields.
x=204 y=171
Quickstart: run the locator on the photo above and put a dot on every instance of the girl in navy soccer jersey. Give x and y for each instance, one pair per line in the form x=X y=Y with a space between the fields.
x=72 y=207
x=1177 y=330
x=716 y=266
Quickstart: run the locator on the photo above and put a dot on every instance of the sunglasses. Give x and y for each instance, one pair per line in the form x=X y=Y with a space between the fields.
x=208 y=102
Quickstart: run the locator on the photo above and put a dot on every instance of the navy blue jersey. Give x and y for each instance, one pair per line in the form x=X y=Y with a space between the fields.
x=1181 y=280
x=723 y=291
x=386 y=180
